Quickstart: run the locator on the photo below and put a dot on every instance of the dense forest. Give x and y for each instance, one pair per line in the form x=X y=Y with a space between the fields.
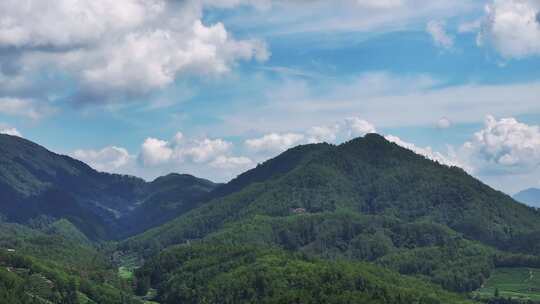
x=363 y=222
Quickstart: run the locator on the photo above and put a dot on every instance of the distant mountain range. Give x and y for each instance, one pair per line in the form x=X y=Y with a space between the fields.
x=529 y=196
x=35 y=182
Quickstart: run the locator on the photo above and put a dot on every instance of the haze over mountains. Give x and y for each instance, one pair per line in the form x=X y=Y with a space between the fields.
x=529 y=196
x=402 y=227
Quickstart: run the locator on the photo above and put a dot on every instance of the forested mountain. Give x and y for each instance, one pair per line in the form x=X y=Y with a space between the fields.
x=529 y=196
x=36 y=182
x=367 y=176
x=52 y=264
x=366 y=221
x=365 y=200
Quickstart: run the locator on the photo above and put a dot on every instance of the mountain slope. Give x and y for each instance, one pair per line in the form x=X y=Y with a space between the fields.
x=529 y=196
x=35 y=182
x=366 y=200
x=204 y=273
x=366 y=176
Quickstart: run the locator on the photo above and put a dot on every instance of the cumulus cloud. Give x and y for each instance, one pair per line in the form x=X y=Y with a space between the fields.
x=274 y=142
x=278 y=142
x=181 y=150
x=504 y=145
x=358 y=127
x=122 y=47
x=439 y=35
x=512 y=27
x=108 y=159
x=318 y=134
x=155 y=152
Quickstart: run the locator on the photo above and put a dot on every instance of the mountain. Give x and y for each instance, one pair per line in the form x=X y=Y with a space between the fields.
x=368 y=176
x=529 y=196
x=56 y=264
x=365 y=200
x=36 y=182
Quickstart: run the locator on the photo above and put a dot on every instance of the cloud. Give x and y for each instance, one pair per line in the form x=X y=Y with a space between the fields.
x=439 y=35
x=155 y=152
x=381 y=4
x=386 y=100
x=425 y=151
x=108 y=159
x=512 y=28
x=358 y=127
x=470 y=26
x=115 y=49
x=224 y=162
x=503 y=146
x=291 y=17
x=444 y=123
x=27 y=108
x=344 y=130
x=318 y=134
x=180 y=151
x=10 y=131
x=274 y=142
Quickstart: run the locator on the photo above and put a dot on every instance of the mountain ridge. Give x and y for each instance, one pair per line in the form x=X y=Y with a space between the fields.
x=98 y=203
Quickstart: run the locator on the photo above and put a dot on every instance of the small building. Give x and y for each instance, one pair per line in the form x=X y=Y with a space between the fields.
x=298 y=210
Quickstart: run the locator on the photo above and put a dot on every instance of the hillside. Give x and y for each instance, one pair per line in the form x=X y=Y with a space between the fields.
x=36 y=182
x=529 y=196
x=368 y=176
x=365 y=200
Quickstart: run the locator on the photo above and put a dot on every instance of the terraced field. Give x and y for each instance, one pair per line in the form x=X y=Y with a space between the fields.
x=516 y=283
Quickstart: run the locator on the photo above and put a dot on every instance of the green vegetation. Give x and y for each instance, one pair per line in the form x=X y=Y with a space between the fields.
x=515 y=283
x=35 y=182
x=204 y=273
x=363 y=222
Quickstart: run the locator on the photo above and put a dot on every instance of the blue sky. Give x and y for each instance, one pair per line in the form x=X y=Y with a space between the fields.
x=211 y=88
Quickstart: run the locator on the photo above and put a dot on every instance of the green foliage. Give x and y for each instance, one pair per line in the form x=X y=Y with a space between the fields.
x=205 y=273
x=38 y=185
x=365 y=176
x=516 y=283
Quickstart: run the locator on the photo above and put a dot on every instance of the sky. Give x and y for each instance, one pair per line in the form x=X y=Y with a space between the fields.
x=214 y=87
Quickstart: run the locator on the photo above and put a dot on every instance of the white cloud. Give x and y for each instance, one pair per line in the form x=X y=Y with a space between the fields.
x=155 y=152
x=323 y=133
x=439 y=35
x=425 y=151
x=344 y=130
x=203 y=150
x=386 y=100
x=224 y=162
x=504 y=145
x=444 y=123
x=512 y=27
x=287 y=17
x=470 y=26
x=358 y=127
x=124 y=47
x=108 y=159
x=381 y=4
x=24 y=108
x=274 y=142
x=10 y=131
x=200 y=154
